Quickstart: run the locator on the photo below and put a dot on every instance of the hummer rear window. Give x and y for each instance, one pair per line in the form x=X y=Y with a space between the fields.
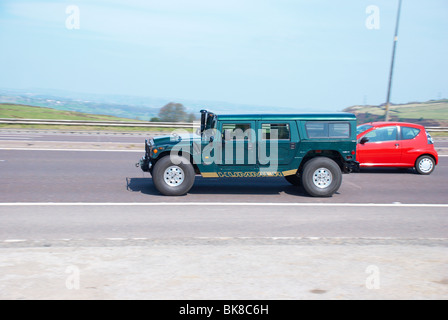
x=283 y=132
x=231 y=131
x=327 y=130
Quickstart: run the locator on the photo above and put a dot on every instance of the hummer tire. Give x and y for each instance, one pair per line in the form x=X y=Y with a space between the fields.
x=321 y=177
x=173 y=175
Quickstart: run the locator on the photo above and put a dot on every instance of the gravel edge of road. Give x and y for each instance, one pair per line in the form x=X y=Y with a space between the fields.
x=222 y=241
x=207 y=271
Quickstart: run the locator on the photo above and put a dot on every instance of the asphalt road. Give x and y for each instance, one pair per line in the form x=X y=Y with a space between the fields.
x=121 y=201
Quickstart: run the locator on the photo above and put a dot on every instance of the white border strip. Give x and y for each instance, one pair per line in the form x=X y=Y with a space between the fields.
x=228 y=204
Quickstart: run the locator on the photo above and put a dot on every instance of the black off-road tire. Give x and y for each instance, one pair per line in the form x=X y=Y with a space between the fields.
x=321 y=177
x=173 y=175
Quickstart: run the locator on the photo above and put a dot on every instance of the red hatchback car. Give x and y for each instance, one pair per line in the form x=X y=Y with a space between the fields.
x=396 y=144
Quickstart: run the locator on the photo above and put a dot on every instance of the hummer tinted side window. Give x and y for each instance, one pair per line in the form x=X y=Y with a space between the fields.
x=318 y=129
x=232 y=131
x=283 y=132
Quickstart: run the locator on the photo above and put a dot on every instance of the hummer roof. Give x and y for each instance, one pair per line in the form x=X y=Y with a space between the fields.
x=302 y=116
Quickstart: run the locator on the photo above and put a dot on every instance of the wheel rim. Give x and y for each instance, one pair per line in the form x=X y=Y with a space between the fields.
x=322 y=178
x=425 y=165
x=174 y=176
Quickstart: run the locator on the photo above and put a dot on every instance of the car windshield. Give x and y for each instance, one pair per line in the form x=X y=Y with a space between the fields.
x=362 y=128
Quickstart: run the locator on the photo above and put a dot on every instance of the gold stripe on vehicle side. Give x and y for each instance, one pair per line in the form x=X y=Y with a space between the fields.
x=209 y=174
x=289 y=172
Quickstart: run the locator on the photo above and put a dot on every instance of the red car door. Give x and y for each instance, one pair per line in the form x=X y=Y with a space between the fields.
x=413 y=144
x=382 y=148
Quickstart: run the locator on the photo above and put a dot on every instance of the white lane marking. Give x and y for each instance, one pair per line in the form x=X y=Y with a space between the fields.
x=73 y=150
x=18 y=134
x=14 y=136
x=312 y=238
x=229 y=204
x=240 y=238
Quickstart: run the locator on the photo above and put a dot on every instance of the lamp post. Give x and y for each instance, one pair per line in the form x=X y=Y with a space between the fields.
x=393 y=61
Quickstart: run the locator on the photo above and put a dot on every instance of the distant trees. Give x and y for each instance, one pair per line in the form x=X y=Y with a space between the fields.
x=174 y=112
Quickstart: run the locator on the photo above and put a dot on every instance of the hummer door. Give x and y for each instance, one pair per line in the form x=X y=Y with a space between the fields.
x=238 y=139
x=278 y=142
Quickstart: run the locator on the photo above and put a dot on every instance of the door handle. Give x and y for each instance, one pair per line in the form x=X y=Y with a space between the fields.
x=397 y=145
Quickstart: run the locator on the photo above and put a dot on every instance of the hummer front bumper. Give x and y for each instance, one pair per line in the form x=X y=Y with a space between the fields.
x=145 y=162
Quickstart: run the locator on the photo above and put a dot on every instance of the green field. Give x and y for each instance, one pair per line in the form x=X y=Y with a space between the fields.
x=11 y=111
x=432 y=113
x=27 y=112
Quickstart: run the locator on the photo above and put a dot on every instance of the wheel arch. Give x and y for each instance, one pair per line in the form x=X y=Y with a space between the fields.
x=436 y=160
x=183 y=154
x=332 y=154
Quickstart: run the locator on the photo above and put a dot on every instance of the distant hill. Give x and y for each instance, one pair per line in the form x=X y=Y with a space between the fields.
x=82 y=103
x=132 y=107
x=430 y=113
x=13 y=111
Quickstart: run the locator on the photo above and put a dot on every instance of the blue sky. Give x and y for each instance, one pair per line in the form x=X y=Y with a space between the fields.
x=298 y=54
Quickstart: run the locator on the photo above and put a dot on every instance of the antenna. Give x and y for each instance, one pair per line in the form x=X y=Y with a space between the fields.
x=393 y=61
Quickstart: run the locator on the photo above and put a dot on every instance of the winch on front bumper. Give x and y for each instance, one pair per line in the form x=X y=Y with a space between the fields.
x=145 y=162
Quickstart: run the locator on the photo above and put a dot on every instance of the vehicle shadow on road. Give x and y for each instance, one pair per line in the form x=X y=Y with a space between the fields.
x=227 y=186
x=388 y=170
x=249 y=186
x=143 y=185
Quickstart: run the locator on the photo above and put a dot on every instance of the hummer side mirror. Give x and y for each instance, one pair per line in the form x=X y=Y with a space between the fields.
x=364 y=140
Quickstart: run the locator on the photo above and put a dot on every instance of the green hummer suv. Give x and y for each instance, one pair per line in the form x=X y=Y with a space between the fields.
x=312 y=150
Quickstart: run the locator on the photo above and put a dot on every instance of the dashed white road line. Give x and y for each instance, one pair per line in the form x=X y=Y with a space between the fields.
x=15 y=240
x=223 y=238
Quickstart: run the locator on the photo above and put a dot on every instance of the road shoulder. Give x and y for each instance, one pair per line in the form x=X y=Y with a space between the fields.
x=226 y=269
